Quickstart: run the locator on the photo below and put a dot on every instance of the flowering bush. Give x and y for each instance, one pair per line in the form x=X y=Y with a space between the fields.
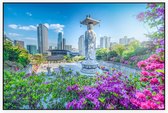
x=152 y=74
x=109 y=92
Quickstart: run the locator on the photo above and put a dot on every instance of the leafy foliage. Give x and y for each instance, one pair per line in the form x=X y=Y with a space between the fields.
x=15 y=53
x=36 y=92
x=119 y=49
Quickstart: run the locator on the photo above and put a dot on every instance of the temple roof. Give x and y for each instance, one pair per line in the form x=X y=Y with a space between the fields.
x=89 y=20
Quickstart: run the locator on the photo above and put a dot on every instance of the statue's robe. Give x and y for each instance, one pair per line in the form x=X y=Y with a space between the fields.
x=90 y=44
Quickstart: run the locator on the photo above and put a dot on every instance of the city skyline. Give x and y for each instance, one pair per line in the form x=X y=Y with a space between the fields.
x=68 y=21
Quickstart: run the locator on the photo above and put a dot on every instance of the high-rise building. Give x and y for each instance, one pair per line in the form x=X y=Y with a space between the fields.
x=68 y=47
x=131 y=39
x=105 y=42
x=32 y=49
x=98 y=46
x=64 y=43
x=19 y=43
x=81 y=45
x=124 y=40
x=50 y=47
x=42 y=34
x=102 y=42
x=112 y=44
x=60 y=41
x=7 y=39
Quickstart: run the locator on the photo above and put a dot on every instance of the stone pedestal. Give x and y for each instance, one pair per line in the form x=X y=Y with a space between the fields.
x=89 y=67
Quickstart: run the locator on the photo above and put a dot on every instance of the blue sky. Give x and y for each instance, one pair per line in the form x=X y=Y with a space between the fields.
x=117 y=21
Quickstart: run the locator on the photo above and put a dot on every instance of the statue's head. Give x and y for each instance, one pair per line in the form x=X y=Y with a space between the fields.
x=90 y=26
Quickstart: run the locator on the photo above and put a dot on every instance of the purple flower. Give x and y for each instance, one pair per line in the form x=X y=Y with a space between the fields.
x=124 y=102
x=161 y=29
x=68 y=88
x=150 y=14
x=155 y=41
x=162 y=42
x=69 y=104
x=125 y=62
x=159 y=50
x=87 y=88
x=46 y=82
x=140 y=16
x=90 y=97
x=74 y=87
x=155 y=88
x=133 y=58
x=152 y=5
x=160 y=11
x=80 y=103
x=96 y=103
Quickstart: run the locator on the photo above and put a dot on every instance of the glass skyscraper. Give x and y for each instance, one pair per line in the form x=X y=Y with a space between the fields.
x=42 y=33
x=60 y=41
x=81 y=45
x=32 y=49
x=19 y=43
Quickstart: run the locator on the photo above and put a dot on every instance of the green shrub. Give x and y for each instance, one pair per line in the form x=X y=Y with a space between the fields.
x=34 y=91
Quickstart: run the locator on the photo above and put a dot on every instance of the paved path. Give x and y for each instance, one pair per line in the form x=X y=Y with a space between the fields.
x=122 y=68
x=76 y=67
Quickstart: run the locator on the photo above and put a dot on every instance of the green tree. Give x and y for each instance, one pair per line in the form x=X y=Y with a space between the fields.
x=102 y=53
x=112 y=54
x=119 y=49
x=7 y=50
x=130 y=49
x=135 y=44
x=15 y=53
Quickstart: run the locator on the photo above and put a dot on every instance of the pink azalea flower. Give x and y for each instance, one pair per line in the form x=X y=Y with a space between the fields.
x=154 y=81
x=145 y=73
x=147 y=92
x=153 y=105
x=135 y=101
x=145 y=105
x=140 y=95
x=159 y=97
x=161 y=87
x=141 y=64
x=161 y=106
x=143 y=79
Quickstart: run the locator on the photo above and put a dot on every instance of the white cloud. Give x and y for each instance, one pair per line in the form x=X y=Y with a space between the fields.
x=28 y=13
x=14 y=34
x=55 y=27
x=30 y=39
x=27 y=28
x=47 y=25
x=13 y=26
